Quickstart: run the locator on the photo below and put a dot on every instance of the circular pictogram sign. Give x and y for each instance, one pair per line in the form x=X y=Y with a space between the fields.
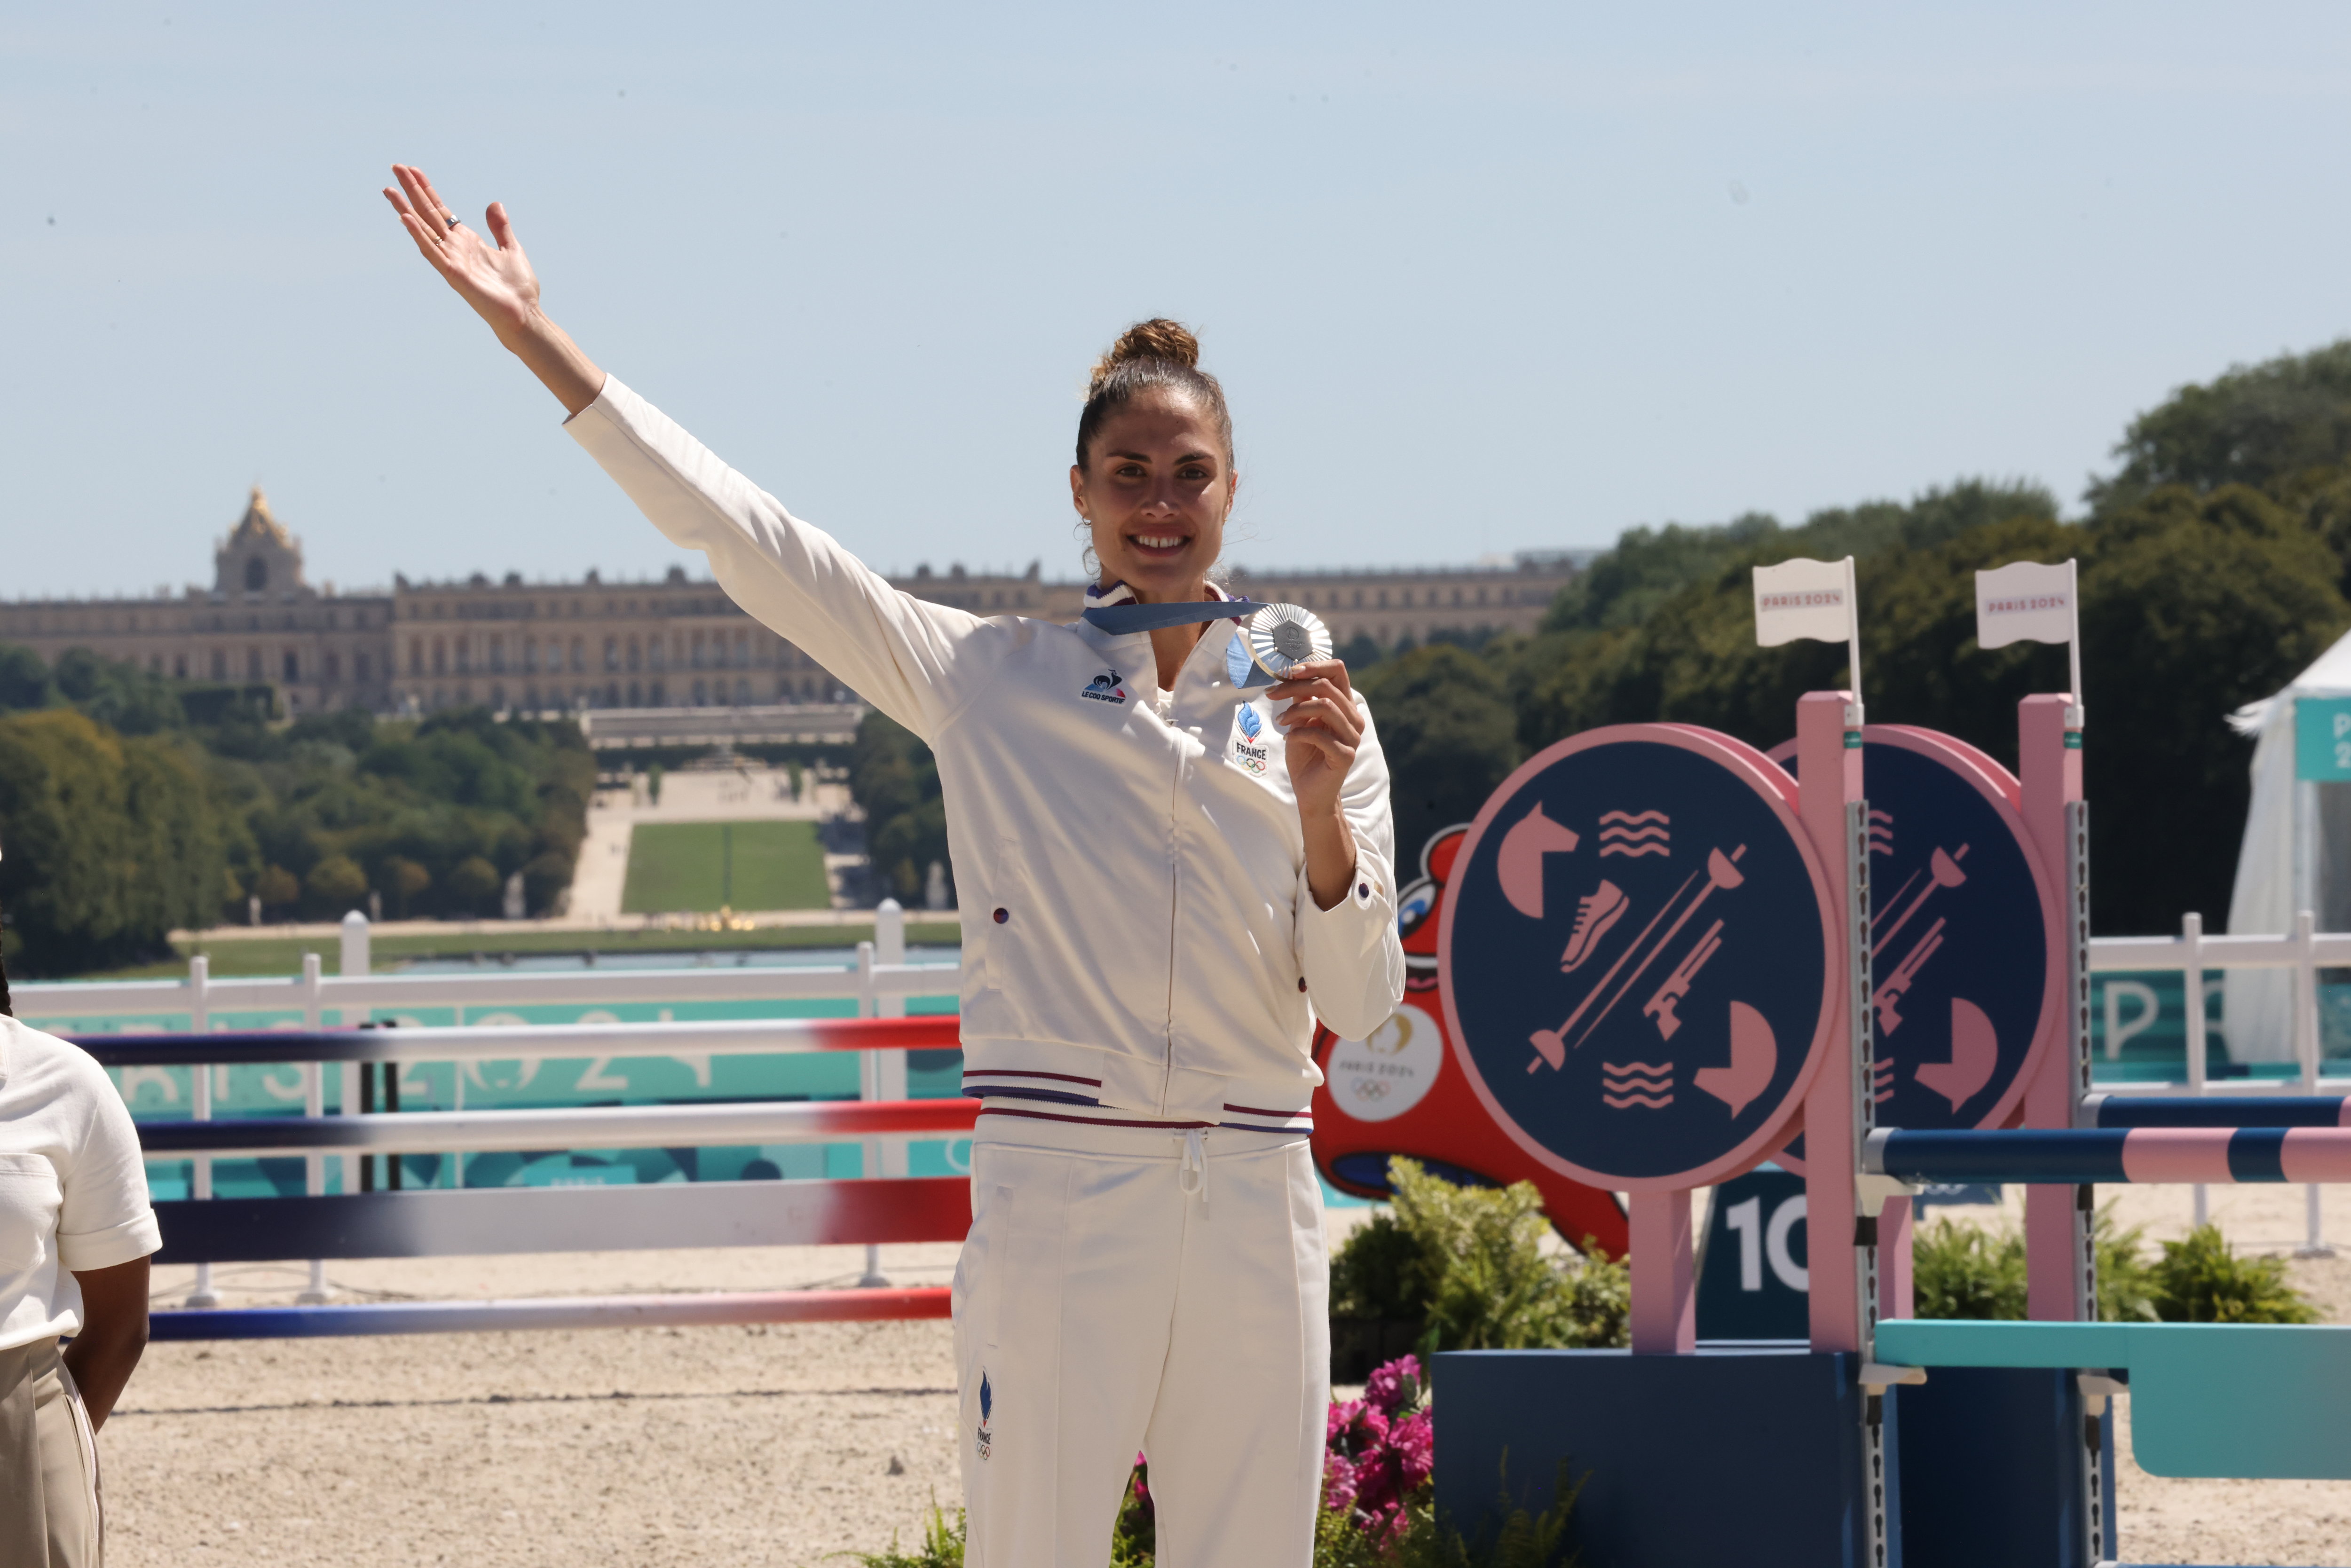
x=1635 y=956
x=1967 y=973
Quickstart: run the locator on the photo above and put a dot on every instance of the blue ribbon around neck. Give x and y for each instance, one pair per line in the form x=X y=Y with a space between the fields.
x=1123 y=619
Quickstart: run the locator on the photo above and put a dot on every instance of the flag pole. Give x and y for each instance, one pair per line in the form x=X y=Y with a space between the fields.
x=1853 y=645
x=2073 y=642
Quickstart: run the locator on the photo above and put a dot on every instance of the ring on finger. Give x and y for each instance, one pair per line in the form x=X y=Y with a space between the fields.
x=449 y=218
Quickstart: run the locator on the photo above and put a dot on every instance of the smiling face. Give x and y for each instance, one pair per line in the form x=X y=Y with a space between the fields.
x=1157 y=489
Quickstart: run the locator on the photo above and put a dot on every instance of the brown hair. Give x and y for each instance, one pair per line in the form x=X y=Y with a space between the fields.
x=1150 y=355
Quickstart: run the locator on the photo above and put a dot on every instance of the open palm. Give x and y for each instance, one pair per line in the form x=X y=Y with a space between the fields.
x=494 y=278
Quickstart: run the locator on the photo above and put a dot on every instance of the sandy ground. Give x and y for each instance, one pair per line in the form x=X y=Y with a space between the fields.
x=757 y=1446
x=2168 y=1519
x=745 y=1446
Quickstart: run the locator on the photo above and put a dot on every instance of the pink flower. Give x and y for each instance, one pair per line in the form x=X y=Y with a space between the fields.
x=1413 y=1442
x=1394 y=1385
x=1338 y=1483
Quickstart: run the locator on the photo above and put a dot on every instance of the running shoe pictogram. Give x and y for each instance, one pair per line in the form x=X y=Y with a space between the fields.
x=1595 y=913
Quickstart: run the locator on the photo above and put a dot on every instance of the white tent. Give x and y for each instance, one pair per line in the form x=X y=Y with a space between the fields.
x=2278 y=868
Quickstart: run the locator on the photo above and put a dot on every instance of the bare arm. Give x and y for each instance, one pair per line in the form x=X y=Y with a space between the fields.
x=498 y=281
x=113 y=1334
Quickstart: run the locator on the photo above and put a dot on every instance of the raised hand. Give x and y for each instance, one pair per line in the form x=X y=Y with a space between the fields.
x=1321 y=728
x=495 y=279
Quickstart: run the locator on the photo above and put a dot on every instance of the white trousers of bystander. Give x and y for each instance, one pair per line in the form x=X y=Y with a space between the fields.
x=1125 y=1289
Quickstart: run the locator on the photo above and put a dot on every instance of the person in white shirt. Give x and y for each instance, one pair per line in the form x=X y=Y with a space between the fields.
x=75 y=1230
x=1168 y=871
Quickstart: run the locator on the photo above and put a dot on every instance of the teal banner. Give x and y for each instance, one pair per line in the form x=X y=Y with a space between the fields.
x=2321 y=739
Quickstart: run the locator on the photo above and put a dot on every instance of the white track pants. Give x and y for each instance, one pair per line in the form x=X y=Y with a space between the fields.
x=1115 y=1295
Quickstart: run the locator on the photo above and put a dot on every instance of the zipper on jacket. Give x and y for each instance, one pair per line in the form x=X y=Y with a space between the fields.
x=1175 y=873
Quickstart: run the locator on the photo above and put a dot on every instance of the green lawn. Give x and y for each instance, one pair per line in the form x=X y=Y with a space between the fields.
x=741 y=865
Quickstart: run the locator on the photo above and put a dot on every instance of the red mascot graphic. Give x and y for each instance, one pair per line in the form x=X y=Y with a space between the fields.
x=1399 y=1091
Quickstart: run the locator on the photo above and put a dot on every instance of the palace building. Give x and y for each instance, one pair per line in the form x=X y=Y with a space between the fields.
x=676 y=643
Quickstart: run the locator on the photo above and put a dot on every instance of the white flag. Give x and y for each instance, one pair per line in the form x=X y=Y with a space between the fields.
x=1804 y=599
x=2025 y=603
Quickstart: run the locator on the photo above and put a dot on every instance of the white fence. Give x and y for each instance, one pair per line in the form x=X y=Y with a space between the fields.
x=880 y=980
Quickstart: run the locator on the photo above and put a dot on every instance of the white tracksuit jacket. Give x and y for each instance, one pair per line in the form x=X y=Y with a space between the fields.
x=1138 y=933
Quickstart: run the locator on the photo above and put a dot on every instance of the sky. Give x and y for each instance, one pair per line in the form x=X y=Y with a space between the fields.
x=1479 y=278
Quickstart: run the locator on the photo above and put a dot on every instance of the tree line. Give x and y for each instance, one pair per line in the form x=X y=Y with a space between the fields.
x=2214 y=566
x=131 y=805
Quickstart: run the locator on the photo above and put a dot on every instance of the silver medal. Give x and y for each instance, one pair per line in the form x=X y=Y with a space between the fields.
x=1283 y=636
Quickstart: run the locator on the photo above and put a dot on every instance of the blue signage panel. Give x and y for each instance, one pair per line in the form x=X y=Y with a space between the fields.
x=1964 y=976
x=1754 y=1279
x=1635 y=956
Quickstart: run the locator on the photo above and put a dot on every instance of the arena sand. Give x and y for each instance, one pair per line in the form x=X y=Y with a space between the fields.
x=778 y=1444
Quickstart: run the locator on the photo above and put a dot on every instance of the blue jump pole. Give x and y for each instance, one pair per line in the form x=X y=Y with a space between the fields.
x=2220 y=1111
x=2217 y=1155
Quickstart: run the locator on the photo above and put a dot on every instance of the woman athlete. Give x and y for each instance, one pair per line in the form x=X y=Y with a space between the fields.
x=1167 y=873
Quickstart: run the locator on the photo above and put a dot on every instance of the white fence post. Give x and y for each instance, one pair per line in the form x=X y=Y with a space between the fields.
x=200 y=1104
x=356 y=962
x=314 y=1103
x=890 y=1066
x=2191 y=931
x=2307 y=1052
x=869 y=1087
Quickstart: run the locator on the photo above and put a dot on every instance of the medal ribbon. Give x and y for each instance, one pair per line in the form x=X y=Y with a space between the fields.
x=1125 y=620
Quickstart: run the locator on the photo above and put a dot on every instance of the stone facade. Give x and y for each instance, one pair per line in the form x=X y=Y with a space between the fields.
x=676 y=643
x=261 y=622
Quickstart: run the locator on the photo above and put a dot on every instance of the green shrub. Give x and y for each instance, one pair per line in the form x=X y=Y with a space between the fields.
x=1467 y=1263
x=942 y=1546
x=1959 y=1269
x=1523 y=1539
x=2202 y=1281
x=1962 y=1270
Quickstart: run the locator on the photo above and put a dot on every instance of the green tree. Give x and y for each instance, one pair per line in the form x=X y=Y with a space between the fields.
x=336 y=882
x=109 y=844
x=894 y=781
x=1447 y=731
x=119 y=695
x=276 y=887
x=24 y=679
x=408 y=879
x=474 y=881
x=2193 y=605
x=2258 y=425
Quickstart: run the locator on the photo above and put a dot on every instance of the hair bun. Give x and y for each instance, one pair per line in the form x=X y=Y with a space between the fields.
x=1157 y=339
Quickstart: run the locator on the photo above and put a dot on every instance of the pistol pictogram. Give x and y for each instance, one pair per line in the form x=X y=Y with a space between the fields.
x=1661 y=1005
x=1905 y=974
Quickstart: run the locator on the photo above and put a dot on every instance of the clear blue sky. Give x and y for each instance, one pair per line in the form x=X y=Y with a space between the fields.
x=1479 y=278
